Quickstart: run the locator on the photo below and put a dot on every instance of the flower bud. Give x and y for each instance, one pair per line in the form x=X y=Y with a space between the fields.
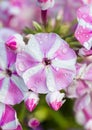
x=45 y=4
x=55 y=100
x=31 y=101
x=15 y=42
x=33 y=123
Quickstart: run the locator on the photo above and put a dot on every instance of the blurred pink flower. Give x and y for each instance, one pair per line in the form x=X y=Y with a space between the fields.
x=33 y=123
x=84 y=30
x=45 y=4
x=87 y=1
x=81 y=84
x=65 y=9
x=18 y=14
x=8 y=118
x=84 y=117
x=47 y=63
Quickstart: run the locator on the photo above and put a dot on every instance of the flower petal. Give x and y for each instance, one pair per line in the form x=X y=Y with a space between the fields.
x=32 y=71
x=55 y=47
x=66 y=64
x=50 y=81
x=9 y=119
x=24 y=61
x=34 y=49
x=37 y=82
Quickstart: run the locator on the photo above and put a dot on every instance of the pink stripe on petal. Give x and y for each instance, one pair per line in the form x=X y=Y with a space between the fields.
x=64 y=52
x=37 y=82
x=83 y=34
x=1 y=83
x=24 y=61
x=8 y=115
x=84 y=13
x=14 y=94
x=45 y=41
x=88 y=73
x=63 y=78
x=11 y=57
x=81 y=87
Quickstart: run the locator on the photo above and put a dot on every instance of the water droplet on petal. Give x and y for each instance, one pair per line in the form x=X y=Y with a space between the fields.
x=64 y=50
x=21 y=66
x=57 y=69
x=40 y=42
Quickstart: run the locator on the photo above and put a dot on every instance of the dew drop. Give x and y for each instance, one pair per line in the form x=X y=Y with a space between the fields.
x=64 y=50
x=21 y=66
x=41 y=42
x=57 y=69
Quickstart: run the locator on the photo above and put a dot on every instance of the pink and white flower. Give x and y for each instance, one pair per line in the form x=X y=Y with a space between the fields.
x=84 y=30
x=12 y=86
x=8 y=118
x=55 y=100
x=47 y=63
x=31 y=100
x=18 y=14
x=45 y=4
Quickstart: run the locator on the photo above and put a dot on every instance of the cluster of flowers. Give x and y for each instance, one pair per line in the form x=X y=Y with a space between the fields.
x=45 y=64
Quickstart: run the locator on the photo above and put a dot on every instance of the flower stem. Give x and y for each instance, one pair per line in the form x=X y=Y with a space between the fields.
x=44 y=17
x=22 y=112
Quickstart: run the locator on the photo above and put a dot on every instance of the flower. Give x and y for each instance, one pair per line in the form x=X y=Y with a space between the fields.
x=65 y=10
x=12 y=86
x=31 y=100
x=8 y=118
x=45 y=4
x=83 y=32
x=33 y=123
x=47 y=63
x=54 y=100
x=17 y=15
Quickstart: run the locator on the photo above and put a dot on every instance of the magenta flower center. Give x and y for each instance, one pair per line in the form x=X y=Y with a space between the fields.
x=47 y=61
x=9 y=72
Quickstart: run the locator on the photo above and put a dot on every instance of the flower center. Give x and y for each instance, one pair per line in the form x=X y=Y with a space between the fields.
x=8 y=72
x=46 y=61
